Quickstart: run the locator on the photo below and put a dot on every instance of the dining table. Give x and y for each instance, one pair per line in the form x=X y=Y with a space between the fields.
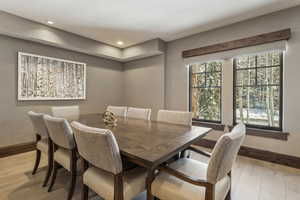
x=148 y=143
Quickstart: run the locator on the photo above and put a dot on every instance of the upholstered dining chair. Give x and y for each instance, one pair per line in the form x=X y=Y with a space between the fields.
x=43 y=143
x=188 y=179
x=119 y=111
x=175 y=117
x=139 y=113
x=102 y=165
x=67 y=112
x=64 y=149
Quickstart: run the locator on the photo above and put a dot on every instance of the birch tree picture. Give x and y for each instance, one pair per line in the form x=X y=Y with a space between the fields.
x=45 y=78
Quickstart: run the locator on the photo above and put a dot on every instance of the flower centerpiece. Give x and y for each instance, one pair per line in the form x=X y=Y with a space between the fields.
x=109 y=118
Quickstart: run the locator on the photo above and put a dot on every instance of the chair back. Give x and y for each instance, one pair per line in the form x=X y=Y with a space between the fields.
x=139 y=113
x=60 y=132
x=66 y=112
x=225 y=153
x=175 y=117
x=98 y=146
x=119 y=111
x=37 y=120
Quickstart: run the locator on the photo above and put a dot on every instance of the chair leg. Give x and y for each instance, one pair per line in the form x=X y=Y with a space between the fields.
x=55 y=168
x=85 y=192
x=149 y=181
x=49 y=170
x=185 y=153
x=118 y=187
x=210 y=192
x=73 y=174
x=85 y=189
x=228 y=196
x=37 y=161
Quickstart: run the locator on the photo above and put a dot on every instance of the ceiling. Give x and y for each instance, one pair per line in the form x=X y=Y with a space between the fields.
x=135 y=21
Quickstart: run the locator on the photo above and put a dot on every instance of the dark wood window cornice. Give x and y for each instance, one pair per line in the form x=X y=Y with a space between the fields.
x=240 y=43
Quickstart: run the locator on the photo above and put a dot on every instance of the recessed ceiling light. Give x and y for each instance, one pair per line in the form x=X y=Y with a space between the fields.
x=50 y=22
x=120 y=43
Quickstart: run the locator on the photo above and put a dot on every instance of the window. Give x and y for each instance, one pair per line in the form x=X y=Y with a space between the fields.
x=205 y=91
x=258 y=90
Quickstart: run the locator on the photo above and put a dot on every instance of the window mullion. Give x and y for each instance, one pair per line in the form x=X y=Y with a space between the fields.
x=205 y=82
x=256 y=70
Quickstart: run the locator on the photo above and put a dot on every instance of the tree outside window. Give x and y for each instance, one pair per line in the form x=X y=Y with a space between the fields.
x=257 y=90
x=205 y=91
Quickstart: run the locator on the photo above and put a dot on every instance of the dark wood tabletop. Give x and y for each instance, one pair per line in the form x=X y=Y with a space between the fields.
x=148 y=143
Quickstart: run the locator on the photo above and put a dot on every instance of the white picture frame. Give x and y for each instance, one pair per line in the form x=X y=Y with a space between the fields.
x=66 y=79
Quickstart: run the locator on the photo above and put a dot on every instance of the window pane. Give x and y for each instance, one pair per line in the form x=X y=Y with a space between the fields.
x=245 y=77
x=213 y=79
x=258 y=103
x=198 y=68
x=206 y=103
x=258 y=106
x=198 y=80
x=205 y=100
x=214 y=66
x=245 y=62
x=268 y=59
x=267 y=76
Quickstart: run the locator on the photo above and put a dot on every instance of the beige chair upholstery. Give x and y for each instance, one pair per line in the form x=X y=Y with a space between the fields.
x=139 y=113
x=99 y=148
x=60 y=132
x=216 y=172
x=40 y=128
x=101 y=182
x=63 y=157
x=119 y=111
x=64 y=149
x=67 y=112
x=167 y=187
x=224 y=153
x=38 y=123
x=42 y=145
x=175 y=117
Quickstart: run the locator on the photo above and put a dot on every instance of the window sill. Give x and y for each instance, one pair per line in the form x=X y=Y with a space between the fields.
x=215 y=126
x=278 y=135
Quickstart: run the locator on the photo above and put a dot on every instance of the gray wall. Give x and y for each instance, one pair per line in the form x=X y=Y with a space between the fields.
x=144 y=83
x=177 y=81
x=104 y=86
x=155 y=82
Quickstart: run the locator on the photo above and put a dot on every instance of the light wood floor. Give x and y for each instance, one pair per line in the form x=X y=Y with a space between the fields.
x=252 y=180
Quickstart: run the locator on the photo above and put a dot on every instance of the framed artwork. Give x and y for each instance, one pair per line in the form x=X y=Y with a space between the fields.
x=46 y=78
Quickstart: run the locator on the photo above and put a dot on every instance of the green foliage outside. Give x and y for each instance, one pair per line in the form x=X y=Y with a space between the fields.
x=206 y=90
x=257 y=89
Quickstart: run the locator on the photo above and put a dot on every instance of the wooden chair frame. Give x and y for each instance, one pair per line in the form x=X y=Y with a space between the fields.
x=210 y=188
x=38 y=159
x=37 y=156
x=73 y=170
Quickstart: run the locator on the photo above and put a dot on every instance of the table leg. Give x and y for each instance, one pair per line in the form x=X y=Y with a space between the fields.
x=149 y=180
